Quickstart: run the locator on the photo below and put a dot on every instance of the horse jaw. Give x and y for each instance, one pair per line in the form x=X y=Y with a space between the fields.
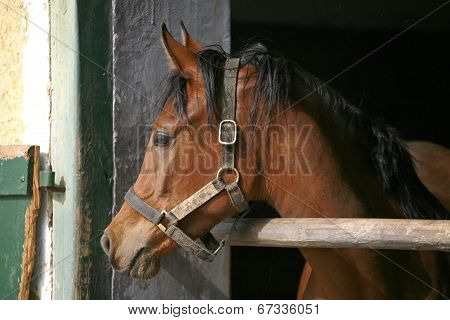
x=146 y=267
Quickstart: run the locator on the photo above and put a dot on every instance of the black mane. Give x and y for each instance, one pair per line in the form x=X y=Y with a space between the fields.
x=278 y=84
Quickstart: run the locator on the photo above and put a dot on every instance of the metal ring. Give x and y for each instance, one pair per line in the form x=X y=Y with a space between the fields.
x=221 y=170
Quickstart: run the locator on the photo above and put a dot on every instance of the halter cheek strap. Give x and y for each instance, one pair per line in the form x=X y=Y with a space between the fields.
x=207 y=247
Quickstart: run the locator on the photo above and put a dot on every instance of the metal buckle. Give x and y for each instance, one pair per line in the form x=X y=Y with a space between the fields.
x=160 y=225
x=233 y=141
x=221 y=245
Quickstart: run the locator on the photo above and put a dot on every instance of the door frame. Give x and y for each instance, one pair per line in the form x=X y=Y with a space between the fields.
x=81 y=146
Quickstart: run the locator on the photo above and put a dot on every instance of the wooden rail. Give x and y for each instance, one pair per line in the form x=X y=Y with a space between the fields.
x=402 y=234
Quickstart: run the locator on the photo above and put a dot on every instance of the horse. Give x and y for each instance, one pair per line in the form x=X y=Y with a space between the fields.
x=432 y=164
x=261 y=128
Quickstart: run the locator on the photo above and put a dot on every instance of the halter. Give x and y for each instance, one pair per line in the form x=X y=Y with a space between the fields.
x=207 y=247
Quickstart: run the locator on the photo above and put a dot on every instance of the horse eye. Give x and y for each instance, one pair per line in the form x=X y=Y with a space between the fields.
x=161 y=139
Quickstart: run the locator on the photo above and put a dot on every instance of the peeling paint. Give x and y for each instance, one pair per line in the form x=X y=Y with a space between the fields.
x=12 y=152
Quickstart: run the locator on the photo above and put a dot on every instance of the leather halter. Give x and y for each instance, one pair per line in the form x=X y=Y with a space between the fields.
x=208 y=247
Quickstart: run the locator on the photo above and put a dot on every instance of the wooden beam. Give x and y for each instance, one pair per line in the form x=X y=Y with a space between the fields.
x=402 y=234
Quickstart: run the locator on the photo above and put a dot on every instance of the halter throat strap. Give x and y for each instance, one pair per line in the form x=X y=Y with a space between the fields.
x=208 y=247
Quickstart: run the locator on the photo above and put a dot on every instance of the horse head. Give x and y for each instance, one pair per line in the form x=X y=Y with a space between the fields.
x=183 y=156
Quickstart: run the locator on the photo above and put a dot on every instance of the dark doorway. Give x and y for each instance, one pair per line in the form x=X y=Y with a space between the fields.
x=265 y=273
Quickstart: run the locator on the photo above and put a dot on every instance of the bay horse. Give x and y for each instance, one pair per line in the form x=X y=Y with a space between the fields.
x=287 y=139
x=432 y=163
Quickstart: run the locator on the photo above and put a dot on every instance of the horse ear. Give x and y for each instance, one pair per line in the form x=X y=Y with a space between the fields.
x=183 y=58
x=189 y=41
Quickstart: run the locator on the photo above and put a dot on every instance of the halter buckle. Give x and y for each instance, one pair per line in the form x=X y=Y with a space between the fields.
x=159 y=224
x=221 y=129
x=221 y=245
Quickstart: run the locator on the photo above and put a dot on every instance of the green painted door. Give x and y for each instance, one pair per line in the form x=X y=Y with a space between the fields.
x=16 y=175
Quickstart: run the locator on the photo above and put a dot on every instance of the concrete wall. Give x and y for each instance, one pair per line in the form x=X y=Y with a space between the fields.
x=139 y=64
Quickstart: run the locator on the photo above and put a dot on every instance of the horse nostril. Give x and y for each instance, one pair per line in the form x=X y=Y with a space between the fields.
x=106 y=244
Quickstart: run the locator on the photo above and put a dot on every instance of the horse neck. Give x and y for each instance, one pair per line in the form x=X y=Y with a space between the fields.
x=329 y=189
x=323 y=178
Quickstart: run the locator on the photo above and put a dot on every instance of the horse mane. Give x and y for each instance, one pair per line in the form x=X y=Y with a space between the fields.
x=278 y=82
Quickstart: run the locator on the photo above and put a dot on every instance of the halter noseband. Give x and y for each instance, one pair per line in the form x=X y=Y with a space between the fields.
x=208 y=247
